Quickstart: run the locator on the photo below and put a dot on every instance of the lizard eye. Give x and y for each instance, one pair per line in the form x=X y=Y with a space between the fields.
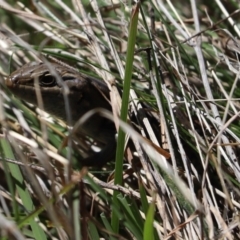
x=47 y=81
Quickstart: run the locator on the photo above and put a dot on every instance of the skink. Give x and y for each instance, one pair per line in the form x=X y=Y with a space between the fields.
x=85 y=93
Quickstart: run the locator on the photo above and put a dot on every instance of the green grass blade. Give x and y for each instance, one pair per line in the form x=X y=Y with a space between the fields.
x=124 y=109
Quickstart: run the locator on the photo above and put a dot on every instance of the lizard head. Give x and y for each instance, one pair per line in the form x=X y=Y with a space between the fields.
x=56 y=82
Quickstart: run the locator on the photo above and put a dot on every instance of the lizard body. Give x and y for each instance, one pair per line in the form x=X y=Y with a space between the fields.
x=85 y=93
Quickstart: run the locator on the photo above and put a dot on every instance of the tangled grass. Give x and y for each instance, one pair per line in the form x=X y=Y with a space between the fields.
x=173 y=71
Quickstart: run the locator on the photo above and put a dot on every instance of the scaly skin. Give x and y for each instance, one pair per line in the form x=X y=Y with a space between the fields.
x=85 y=93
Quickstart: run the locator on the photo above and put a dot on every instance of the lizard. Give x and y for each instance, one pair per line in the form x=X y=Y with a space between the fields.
x=85 y=93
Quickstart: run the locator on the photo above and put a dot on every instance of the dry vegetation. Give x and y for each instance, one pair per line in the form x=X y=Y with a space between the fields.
x=180 y=175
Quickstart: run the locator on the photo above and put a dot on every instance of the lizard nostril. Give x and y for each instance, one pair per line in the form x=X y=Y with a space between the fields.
x=10 y=82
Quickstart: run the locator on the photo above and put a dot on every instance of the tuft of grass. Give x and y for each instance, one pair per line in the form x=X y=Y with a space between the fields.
x=173 y=75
